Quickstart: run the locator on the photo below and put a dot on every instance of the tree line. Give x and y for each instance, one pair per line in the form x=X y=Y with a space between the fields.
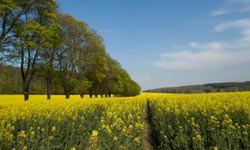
x=56 y=51
x=206 y=88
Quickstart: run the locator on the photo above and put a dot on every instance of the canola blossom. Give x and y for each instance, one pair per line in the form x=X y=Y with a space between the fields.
x=201 y=121
x=176 y=121
x=107 y=123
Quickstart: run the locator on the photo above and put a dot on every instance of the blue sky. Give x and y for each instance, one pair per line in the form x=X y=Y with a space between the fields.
x=172 y=42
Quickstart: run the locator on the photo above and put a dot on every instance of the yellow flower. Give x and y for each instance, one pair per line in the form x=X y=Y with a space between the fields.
x=50 y=138
x=213 y=119
x=198 y=137
x=53 y=129
x=10 y=137
x=139 y=125
x=22 y=134
x=130 y=127
x=130 y=116
x=108 y=130
x=94 y=134
x=72 y=148
x=136 y=141
x=25 y=148
x=109 y=114
x=122 y=147
x=32 y=133
x=123 y=117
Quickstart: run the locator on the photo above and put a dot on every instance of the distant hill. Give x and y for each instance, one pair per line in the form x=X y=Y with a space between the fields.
x=206 y=88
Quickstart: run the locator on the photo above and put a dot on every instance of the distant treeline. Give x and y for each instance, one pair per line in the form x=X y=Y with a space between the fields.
x=206 y=88
x=45 y=51
x=11 y=83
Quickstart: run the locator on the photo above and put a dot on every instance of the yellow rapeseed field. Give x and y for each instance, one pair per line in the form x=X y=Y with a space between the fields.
x=201 y=121
x=177 y=121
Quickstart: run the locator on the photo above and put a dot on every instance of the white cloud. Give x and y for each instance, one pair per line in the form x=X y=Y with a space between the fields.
x=232 y=6
x=242 y=24
x=203 y=60
x=240 y=1
x=220 y=11
x=207 y=46
x=212 y=55
x=246 y=38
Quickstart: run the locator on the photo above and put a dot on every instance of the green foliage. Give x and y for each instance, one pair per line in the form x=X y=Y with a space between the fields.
x=9 y=80
x=7 y=6
x=57 y=49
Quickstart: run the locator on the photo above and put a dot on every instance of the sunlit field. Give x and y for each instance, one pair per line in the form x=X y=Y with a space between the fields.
x=175 y=121
x=107 y=123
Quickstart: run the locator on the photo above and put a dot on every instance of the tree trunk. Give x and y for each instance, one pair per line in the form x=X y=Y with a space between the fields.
x=48 y=96
x=26 y=92
x=90 y=93
x=106 y=95
x=67 y=95
x=26 y=97
x=67 y=91
x=49 y=76
x=28 y=72
x=48 y=88
x=81 y=94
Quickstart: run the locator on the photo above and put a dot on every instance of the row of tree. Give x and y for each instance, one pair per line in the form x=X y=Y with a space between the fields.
x=206 y=88
x=61 y=50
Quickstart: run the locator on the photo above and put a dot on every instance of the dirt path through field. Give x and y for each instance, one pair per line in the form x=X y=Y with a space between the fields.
x=148 y=143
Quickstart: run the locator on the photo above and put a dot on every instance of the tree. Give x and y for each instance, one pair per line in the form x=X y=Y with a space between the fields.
x=81 y=58
x=81 y=84
x=48 y=57
x=33 y=33
x=58 y=48
x=10 y=13
x=96 y=66
x=111 y=77
x=125 y=86
x=6 y=81
x=68 y=54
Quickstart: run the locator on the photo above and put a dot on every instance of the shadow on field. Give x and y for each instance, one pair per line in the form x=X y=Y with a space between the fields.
x=150 y=138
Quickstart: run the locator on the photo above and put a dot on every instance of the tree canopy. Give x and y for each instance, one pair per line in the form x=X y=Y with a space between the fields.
x=56 y=52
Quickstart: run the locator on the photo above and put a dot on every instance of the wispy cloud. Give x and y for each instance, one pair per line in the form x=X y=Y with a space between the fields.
x=242 y=24
x=212 y=55
x=239 y=1
x=245 y=9
x=220 y=11
x=232 y=6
